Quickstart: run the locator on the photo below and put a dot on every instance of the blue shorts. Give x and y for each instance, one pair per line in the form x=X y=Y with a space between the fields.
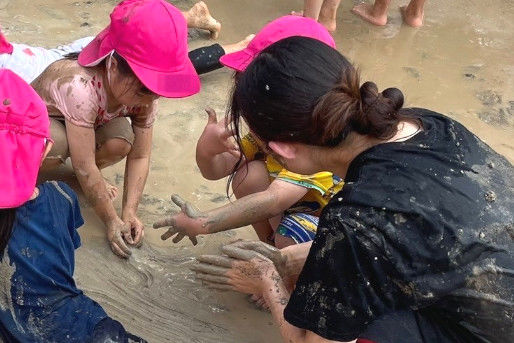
x=300 y=227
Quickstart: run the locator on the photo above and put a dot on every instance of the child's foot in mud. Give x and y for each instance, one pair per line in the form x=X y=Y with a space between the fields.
x=231 y=48
x=412 y=17
x=367 y=12
x=199 y=17
x=112 y=191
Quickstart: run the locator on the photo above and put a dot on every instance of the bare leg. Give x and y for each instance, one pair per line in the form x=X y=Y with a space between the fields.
x=312 y=8
x=376 y=14
x=249 y=181
x=328 y=13
x=230 y=48
x=199 y=17
x=413 y=13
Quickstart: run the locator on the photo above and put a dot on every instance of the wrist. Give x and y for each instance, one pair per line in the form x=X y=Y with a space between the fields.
x=128 y=212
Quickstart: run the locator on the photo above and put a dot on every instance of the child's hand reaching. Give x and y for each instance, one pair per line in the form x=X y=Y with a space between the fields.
x=216 y=137
x=188 y=222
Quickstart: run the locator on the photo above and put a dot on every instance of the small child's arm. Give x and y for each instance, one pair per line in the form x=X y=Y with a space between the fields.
x=247 y=210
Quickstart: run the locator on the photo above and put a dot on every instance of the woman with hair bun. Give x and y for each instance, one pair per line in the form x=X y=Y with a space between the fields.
x=416 y=247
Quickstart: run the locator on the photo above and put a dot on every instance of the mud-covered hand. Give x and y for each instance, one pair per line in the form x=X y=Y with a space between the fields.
x=117 y=230
x=137 y=230
x=242 y=270
x=217 y=136
x=188 y=222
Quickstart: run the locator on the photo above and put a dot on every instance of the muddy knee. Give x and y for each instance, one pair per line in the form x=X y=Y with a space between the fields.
x=60 y=150
x=113 y=141
x=252 y=178
x=116 y=148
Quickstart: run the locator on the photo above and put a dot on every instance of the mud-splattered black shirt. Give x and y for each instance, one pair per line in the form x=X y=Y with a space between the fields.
x=420 y=236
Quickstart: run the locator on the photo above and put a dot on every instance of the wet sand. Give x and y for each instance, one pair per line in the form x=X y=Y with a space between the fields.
x=460 y=63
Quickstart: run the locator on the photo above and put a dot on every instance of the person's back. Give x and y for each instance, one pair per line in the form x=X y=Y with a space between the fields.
x=427 y=224
x=39 y=299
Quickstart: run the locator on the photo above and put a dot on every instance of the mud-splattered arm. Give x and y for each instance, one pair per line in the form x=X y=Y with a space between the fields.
x=247 y=210
x=243 y=268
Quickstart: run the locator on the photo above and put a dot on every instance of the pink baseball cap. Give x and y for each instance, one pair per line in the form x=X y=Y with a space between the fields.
x=151 y=35
x=5 y=46
x=278 y=29
x=24 y=125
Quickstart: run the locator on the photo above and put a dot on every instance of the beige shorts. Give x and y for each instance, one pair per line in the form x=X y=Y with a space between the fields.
x=119 y=127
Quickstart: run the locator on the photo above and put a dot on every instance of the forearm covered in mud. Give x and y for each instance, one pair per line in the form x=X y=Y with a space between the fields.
x=95 y=190
x=256 y=207
x=81 y=142
x=244 y=211
x=136 y=169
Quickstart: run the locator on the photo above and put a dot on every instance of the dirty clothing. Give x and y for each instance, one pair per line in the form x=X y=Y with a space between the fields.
x=418 y=245
x=39 y=301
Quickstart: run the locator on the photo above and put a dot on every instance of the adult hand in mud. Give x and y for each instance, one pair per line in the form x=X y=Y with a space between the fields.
x=117 y=233
x=137 y=230
x=217 y=136
x=243 y=270
x=188 y=222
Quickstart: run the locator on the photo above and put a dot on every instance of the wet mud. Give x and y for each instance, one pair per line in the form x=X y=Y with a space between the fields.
x=459 y=64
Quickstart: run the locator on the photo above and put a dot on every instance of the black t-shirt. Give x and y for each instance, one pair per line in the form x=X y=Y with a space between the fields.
x=421 y=236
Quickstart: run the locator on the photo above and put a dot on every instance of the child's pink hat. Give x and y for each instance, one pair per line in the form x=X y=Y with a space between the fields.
x=24 y=125
x=5 y=46
x=278 y=29
x=151 y=35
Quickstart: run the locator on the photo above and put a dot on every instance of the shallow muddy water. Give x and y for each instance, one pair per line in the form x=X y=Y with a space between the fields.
x=460 y=63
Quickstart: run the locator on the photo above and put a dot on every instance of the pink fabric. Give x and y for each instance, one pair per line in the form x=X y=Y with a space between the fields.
x=24 y=125
x=82 y=100
x=278 y=29
x=152 y=36
x=5 y=46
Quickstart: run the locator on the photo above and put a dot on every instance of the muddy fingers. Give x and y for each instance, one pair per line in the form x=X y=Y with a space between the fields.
x=222 y=261
x=242 y=254
x=209 y=269
x=212 y=278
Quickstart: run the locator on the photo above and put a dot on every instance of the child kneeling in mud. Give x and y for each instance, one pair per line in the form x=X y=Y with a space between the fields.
x=39 y=301
x=283 y=207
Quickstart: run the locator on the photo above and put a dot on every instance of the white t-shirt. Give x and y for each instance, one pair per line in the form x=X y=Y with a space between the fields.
x=29 y=62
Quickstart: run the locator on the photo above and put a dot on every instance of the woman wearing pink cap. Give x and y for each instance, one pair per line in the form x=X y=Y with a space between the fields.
x=39 y=301
x=282 y=206
x=139 y=57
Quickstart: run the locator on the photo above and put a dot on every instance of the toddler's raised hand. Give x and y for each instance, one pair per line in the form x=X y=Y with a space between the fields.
x=217 y=137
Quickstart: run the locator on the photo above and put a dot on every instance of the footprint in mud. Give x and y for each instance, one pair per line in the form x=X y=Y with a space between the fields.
x=496 y=112
x=489 y=97
x=412 y=72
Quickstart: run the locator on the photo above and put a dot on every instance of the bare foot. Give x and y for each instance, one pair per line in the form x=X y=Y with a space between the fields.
x=366 y=12
x=329 y=23
x=238 y=46
x=411 y=17
x=112 y=191
x=299 y=13
x=199 y=17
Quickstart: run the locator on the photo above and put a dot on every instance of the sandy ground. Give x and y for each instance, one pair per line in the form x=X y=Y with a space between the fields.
x=460 y=63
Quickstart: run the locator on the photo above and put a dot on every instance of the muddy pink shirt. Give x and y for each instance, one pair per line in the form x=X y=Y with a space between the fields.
x=79 y=95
